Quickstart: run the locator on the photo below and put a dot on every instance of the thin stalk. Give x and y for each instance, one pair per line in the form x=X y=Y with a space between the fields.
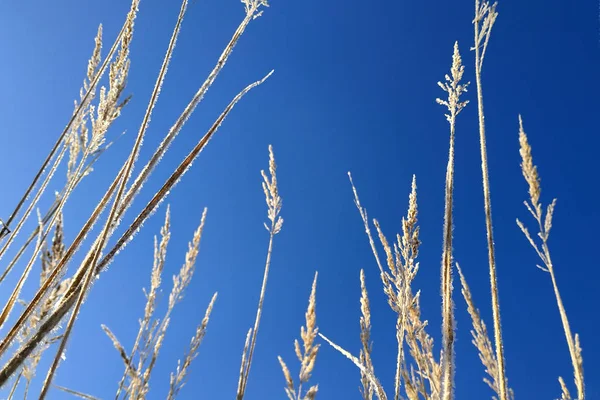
x=573 y=351
x=14 y=386
x=263 y=290
x=488 y=205
x=545 y=225
x=447 y=303
x=274 y=203
x=399 y=356
x=75 y=393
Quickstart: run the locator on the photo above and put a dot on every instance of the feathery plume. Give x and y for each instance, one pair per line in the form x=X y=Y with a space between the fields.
x=543 y=250
x=454 y=89
x=177 y=380
x=481 y=339
x=274 y=203
x=307 y=355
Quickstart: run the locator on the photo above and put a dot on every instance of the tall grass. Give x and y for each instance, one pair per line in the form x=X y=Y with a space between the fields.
x=95 y=120
x=420 y=372
x=431 y=376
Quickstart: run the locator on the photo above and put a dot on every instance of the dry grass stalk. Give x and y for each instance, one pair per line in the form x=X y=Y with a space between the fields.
x=160 y=255
x=481 y=339
x=244 y=357
x=130 y=369
x=274 y=203
x=76 y=393
x=402 y=268
x=14 y=387
x=307 y=356
x=177 y=380
x=365 y=339
x=154 y=341
x=565 y=394
x=378 y=388
x=397 y=280
x=455 y=89
x=485 y=16
x=420 y=344
x=543 y=250
x=4 y=230
x=387 y=284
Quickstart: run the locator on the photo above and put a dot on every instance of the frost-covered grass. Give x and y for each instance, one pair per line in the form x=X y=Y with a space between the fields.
x=43 y=324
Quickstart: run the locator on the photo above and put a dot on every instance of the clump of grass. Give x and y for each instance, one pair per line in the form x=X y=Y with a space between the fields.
x=84 y=138
x=307 y=354
x=73 y=178
x=423 y=373
x=424 y=378
x=428 y=378
x=108 y=109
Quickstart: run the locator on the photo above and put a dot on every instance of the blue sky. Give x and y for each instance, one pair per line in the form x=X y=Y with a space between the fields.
x=353 y=90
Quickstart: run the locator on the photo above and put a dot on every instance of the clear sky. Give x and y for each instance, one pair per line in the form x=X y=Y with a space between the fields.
x=353 y=90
